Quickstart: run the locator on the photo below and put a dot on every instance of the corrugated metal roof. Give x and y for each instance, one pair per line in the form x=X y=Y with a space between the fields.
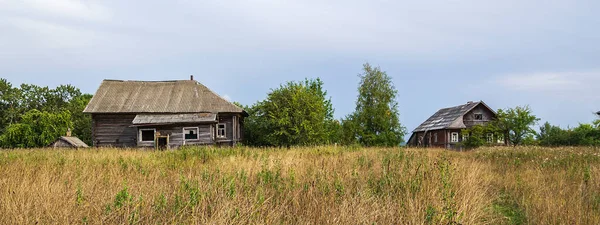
x=174 y=118
x=74 y=141
x=182 y=96
x=443 y=118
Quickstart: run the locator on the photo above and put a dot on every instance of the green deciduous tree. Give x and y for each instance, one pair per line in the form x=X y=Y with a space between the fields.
x=586 y=135
x=36 y=129
x=550 y=135
x=82 y=123
x=582 y=135
x=517 y=123
x=297 y=113
x=479 y=135
x=375 y=121
x=18 y=101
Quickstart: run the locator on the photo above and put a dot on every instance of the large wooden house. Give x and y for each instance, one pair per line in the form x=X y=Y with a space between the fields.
x=162 y=114
x=444 y=128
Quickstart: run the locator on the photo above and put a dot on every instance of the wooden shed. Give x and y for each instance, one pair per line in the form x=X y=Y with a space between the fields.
x=68 y=142
x=162 y=114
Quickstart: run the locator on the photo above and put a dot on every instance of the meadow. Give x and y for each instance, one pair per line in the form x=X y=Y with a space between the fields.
x=311 y=185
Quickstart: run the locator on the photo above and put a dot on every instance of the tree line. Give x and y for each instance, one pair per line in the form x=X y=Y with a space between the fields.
x=514 y=126
x=34 y=116
x=297 y=113
x=301 y=114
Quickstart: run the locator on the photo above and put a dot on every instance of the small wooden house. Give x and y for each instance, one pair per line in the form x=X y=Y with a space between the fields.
x=162 y=114
x=68 y=142
x=444 y=128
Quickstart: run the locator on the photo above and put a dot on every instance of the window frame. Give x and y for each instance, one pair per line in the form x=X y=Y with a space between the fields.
x=501 y=139
x=224 y=130
x=452 y=136
x=141 y=130
x=478 y=114
x=190 y=128
x=489 y=138
x=465 y=137
x=435 y=138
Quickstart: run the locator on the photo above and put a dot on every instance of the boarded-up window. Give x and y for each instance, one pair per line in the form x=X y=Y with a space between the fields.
x=147 y=134
x=191 y=133
x=221 y=130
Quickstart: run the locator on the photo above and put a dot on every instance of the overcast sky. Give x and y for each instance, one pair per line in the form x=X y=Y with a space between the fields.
x=541 y=53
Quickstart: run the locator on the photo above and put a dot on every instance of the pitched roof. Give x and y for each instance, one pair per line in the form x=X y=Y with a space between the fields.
x=181 y=96
x=74 y=141
x=444 y=118
x=145 y=119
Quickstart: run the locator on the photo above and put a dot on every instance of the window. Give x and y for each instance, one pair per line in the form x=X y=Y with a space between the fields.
x=221 y=128
x=478 y=116
x=465 y=137
x=501 y=139
x=190 y=133
x=435 y=140
x=490 y=138
x=454 y=137
x=147 y=135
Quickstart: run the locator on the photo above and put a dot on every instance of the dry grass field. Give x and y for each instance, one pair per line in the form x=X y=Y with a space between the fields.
x=319 y=185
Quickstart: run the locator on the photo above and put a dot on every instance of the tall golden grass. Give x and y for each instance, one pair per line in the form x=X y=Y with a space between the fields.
x=318 y=185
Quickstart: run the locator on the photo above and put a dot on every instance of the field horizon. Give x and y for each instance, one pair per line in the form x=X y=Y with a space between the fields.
x=301 y=185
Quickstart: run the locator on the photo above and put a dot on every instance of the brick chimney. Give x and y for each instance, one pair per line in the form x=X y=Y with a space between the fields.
x=69 y=132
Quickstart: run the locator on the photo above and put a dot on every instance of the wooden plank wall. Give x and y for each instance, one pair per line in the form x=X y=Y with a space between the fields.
x=469 y=118
x=227 y=119
x=113 y=130
x=176 y=137
x=61 y=144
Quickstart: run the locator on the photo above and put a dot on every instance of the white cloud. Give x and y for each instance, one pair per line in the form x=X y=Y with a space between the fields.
x=73 y=9
x=543 y=81
x=566 y=85
x=53 y=35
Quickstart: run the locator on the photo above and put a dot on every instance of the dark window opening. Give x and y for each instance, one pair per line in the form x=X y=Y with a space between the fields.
x=147 y=135
x=191 y=133
x=478 y=116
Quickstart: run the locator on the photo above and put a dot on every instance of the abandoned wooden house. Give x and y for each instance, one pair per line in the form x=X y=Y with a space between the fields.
x=444 y=128
x=162 y=114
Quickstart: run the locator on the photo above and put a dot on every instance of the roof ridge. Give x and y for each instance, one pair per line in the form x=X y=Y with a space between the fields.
x=468 y=103
x=145 y=81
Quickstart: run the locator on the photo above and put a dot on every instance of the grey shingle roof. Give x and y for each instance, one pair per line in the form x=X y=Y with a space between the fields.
x=443 y=118
x=182 y=96
x=74 y=141
x=174 y=118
